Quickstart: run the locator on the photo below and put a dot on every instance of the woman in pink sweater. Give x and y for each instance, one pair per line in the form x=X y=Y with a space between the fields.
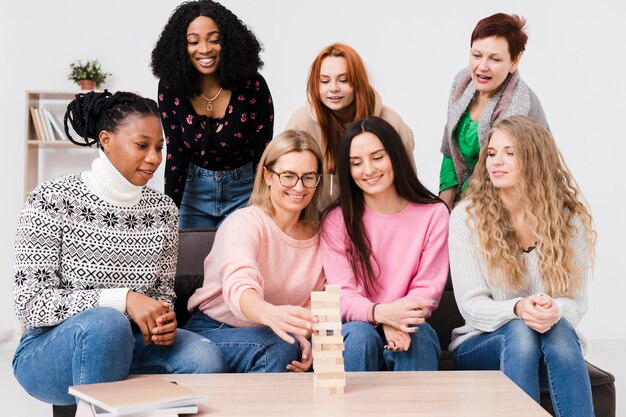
x=264 y=263
x=385 y=243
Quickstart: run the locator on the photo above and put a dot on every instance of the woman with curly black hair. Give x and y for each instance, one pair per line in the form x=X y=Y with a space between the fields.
x=216 y=110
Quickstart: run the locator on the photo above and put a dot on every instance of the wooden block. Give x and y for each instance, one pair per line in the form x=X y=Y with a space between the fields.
x=330 y=375
x=339 y=347
x=315 y=305
x=332 y=312
x=327 y=361
x=324 y=319
x=323 y=296
x=332 y=325
x=328 y=368
x=333 y=289
x=323 y=339
x=327 y=354
x=331 y=360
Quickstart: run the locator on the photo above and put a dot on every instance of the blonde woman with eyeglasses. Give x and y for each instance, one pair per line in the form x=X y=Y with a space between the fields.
x=264 y=263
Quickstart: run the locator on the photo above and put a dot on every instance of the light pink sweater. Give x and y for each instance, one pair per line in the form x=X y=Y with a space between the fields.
x=411 y=247
x=251 y=251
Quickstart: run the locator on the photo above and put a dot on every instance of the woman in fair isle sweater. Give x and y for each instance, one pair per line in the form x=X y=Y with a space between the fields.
x=385 y=243
x=264 y=263
x=95 y=258
x=521 y=247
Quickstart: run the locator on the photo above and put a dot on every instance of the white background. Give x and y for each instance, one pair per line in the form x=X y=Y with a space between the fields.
x=575 y=62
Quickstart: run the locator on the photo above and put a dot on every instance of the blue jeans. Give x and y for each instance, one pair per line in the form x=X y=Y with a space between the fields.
x=552 y=360
x=246 y=349
x=364 y=349
x=99 y=345
x=210 y=196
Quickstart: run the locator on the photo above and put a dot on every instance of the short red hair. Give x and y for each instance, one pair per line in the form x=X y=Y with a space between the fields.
x=508 y=26
x=364 y=98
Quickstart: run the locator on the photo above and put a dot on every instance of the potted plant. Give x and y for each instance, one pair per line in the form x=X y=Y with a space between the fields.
x=89 y=76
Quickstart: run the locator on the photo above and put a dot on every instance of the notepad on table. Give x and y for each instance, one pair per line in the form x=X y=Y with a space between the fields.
x=132 y=397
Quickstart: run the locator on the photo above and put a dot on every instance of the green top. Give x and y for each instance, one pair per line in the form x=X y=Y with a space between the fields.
x=466 y=134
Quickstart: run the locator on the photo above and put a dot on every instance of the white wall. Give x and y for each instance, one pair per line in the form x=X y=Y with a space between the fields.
x=575 y=63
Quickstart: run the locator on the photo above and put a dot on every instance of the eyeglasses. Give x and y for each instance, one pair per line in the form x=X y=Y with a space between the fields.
x=289 y=179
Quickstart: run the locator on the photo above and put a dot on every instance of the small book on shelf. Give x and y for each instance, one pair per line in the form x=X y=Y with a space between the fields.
x=56 y=124
x=137 y=397
x=45 y=127
x=34 y=116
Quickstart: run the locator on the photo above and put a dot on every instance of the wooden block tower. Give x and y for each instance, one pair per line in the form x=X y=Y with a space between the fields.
x=329 y=374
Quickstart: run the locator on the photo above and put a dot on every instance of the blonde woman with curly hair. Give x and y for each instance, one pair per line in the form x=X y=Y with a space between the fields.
x=521 y=249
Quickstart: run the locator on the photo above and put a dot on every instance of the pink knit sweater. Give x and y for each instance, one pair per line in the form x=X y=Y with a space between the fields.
x=411 y=247
x=251 y=251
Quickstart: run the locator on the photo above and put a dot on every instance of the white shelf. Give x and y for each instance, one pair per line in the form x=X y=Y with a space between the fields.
x=56 y=102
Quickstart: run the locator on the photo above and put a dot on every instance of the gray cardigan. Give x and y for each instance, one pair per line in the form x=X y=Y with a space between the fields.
x=513 y=98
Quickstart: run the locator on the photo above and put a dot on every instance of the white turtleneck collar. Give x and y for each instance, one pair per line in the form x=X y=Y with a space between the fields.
x=105 y=181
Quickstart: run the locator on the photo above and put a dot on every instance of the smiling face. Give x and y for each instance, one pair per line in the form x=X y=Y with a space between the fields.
x=335 y=90
x=291 y=199
x=490 y=63
x=203 y=45
x=135 y=148
x=370 y=167
x=502 y=163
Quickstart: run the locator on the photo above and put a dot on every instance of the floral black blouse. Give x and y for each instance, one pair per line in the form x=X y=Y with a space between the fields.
x=216 y=144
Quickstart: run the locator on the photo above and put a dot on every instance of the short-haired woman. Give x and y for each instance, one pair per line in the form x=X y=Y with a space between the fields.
x=483 y=93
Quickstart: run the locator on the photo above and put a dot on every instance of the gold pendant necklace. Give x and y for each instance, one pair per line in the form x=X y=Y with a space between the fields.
x=209 y=104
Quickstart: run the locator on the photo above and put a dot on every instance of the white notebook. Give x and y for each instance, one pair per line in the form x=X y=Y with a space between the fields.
x=138 y=395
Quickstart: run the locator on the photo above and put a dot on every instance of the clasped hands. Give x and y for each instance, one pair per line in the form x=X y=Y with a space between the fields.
x=154 y=318
x=539 y=312
x=400 y=318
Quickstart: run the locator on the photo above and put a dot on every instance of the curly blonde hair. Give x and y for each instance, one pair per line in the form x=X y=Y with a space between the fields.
x=551 y=199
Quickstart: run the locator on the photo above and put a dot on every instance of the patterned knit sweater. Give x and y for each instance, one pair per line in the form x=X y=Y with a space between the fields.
x=484 y=306
x=84 y=241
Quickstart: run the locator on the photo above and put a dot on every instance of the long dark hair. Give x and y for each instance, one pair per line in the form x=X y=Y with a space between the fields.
x=351 y=199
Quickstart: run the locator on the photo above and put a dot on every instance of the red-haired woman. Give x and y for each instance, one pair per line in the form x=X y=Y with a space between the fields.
x=487 y=91
x=338 y=93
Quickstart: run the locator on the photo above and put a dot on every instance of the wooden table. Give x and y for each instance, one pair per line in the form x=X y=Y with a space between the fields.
x=452 y=393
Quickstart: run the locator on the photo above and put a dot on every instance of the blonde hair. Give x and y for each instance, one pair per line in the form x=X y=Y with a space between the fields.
x=551 y=199
x=288 y=141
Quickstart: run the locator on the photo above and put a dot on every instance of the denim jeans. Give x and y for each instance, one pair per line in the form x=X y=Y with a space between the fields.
x=210 y=196
x=552 y=361
x=364 y=349
x=99 y=345
x=246 y=349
